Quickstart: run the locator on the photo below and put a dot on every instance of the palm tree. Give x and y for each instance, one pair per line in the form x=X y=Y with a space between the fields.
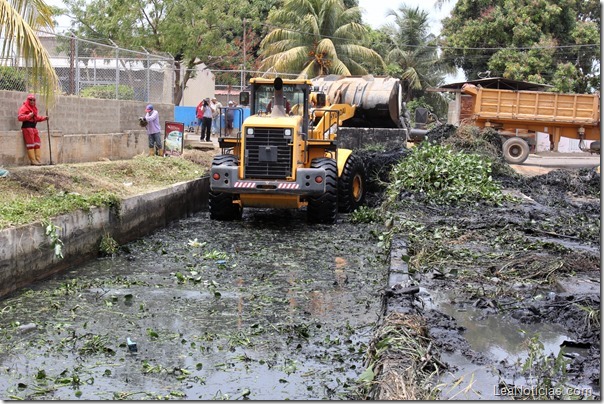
x=414 y=52
x=19 y=20
x=317 y=37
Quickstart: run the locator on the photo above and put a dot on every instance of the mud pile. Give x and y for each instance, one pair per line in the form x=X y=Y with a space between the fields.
x=534 y=259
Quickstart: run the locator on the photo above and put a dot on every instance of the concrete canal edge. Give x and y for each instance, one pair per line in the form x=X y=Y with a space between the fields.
x=26 y=254
x=394 y=367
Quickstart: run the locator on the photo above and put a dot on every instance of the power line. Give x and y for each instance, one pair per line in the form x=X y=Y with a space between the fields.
x=440 y=46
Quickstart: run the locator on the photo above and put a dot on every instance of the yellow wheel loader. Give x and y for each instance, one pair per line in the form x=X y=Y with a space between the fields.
x=285 y=155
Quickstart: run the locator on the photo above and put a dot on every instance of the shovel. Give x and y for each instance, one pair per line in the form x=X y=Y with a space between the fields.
x=49 y=143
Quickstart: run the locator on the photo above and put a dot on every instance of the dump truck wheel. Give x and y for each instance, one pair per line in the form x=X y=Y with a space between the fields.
x=324 y=208
x=515 y=150
x=351 y=186
x=221 y=204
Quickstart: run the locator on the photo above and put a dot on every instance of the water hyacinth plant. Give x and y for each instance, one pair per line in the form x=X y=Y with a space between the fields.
x=440 y=175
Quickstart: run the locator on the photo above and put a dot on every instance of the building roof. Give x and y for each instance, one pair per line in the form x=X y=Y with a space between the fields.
x=499 y=83
x=219 y=91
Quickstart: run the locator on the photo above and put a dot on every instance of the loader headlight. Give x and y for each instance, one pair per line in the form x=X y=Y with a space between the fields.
x=288 y=132
x=250 y=131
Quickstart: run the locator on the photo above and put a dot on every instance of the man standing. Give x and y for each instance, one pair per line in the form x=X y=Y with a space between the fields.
x=229 y=118
x=153 y=131
x=28 y=114
x=216 y=116
x=206 y=124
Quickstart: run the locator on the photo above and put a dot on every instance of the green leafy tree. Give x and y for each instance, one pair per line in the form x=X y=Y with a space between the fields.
x=193 y=32
x=19 y=20
x=317 y=37
x=414 y=55
x=527 y=40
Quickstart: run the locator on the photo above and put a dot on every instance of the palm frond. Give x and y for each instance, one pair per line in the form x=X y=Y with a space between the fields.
x=358 y=52
x=325 y=29
x=337 y=67
x=18 y=22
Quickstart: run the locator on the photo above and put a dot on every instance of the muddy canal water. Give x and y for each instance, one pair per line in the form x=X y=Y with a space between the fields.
x=266 y=308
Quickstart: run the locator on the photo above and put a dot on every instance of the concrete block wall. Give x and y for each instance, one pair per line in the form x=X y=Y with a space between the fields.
x=81 y=129
x=355 y=138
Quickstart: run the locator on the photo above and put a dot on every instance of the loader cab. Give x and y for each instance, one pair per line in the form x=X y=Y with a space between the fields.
x=262 y=96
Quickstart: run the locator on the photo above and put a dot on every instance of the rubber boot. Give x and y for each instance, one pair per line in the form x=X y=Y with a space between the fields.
x=152 y=152
x=32 y=157
x=38 y=153
x=161 y=153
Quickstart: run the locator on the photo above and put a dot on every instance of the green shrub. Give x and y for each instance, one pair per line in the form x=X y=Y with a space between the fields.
x=442 y=176
x=12 y=79
x=107 y=92
x=108 y=245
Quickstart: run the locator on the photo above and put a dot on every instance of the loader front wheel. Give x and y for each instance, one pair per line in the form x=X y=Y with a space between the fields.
x=515 y=150
x=221 y=204
x=324 y=208
x=351 y=185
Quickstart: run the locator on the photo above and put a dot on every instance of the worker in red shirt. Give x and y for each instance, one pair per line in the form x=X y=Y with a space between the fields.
x=28 y=115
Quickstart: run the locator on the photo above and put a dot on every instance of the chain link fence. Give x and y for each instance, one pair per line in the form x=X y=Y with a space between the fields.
x=94 y=69
x=97 y=70
x=225 y=85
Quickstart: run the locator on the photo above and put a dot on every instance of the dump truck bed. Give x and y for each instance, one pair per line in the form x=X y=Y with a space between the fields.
x=537 y=110
x=537 y=106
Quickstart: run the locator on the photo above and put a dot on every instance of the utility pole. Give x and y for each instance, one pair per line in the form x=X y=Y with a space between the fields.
x=244 y=52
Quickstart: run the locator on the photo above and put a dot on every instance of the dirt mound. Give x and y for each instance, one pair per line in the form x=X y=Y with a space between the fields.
x=582 y=182
x=440 y=133
x=512 y=260
x=378 y=166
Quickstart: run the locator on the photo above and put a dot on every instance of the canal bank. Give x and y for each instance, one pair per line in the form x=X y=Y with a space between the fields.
x=27 y=254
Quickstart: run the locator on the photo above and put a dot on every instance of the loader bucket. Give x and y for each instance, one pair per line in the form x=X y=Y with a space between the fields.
x=378 y=99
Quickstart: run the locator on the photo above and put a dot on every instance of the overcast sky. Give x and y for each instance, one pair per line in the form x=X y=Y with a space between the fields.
x=374 y=14
x=374 y=11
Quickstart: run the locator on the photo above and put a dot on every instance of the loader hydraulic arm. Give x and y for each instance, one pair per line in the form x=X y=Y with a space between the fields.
x=328 y=120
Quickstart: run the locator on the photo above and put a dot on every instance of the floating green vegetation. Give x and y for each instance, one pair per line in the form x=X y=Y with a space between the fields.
x=365 y=214
x=96 y=344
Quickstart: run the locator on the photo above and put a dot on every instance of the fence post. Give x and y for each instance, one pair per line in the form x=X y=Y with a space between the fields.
x=117 y=70
x=148 y=89
x=77 y=68
x=72 y=64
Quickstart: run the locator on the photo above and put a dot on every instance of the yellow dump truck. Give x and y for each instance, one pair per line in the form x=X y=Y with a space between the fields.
x=285 y=155
x=518 y=115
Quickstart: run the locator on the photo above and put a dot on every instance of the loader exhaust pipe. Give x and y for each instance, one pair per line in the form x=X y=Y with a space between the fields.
x=278 y=108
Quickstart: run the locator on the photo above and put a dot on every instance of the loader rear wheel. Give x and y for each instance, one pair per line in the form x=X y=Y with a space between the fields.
x=324 y=208
x=351 y=185
x=221 y=204
x=515 y=150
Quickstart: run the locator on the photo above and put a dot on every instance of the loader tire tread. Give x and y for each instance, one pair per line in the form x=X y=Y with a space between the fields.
x=351 y=185
x=221 y=204
x=324 y=208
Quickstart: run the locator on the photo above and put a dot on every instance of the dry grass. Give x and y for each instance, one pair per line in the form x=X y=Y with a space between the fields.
x=403 y=360
x=31 y=193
